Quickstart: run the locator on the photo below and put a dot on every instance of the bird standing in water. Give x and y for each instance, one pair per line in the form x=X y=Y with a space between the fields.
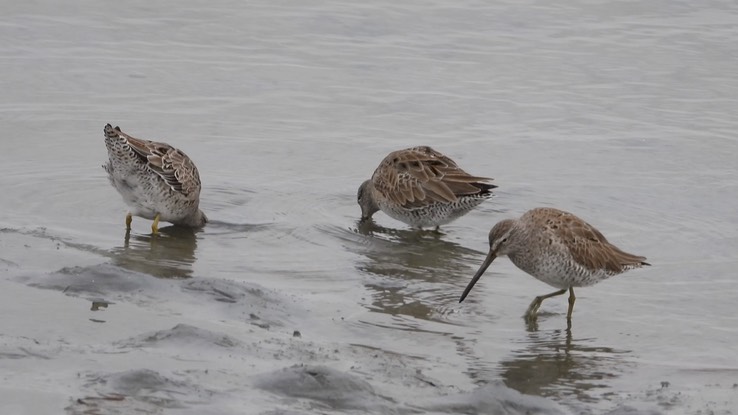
x=156 y=180
x=421 y=187
x=557 y=248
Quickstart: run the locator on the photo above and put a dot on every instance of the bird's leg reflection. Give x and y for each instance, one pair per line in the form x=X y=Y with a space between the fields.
x=551 y=363
x=437 y=231
x=568 y=339
x=169 y=253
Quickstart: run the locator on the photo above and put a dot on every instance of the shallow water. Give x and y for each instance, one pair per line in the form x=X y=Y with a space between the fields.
x=622 y=112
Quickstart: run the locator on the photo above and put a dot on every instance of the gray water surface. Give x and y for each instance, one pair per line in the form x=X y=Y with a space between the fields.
x=621 y=112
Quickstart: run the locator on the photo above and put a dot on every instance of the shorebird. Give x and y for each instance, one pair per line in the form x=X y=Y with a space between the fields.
x=156 y=180
x=557 y=248
x=421 y=187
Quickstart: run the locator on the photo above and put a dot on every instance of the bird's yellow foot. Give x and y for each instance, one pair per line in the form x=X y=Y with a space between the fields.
x=155 y=225
x=129 y=219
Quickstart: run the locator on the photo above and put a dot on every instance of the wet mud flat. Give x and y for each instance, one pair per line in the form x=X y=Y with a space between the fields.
x=102 y=338
x=106 y=339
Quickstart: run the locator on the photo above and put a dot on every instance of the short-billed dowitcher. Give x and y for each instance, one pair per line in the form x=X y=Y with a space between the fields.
x=557 y=248
x=156 y=180
x=421 y=187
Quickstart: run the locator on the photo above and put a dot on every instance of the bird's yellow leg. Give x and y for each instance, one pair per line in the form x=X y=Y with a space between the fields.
x=536 y=304
x=572 y=298
x=129 y=219
x=155 y=225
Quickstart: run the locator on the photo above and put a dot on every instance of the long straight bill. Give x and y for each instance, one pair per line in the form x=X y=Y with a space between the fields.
x=487 y=261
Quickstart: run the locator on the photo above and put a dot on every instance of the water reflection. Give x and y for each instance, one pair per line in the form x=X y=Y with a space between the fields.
x=554 y=363
x=424 y=255
x=413 y=272
x=169 y=254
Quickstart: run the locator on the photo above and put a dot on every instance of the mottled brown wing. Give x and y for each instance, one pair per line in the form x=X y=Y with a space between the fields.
x=592 y=250
x=171 y=164
x=418 y=175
